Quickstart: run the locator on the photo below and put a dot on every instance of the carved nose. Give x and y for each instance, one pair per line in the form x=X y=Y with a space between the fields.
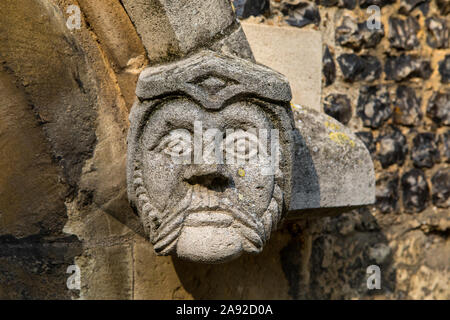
x=215 y=179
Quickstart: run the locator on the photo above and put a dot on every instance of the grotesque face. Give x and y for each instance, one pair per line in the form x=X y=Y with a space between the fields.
x=212 y=208
x=209 y=153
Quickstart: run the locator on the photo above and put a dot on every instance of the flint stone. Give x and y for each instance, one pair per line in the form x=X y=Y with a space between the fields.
x=374 y=106
x=393 y=147
x=406 y=6
x=439 y=108
x=425 y=151
x=329 y=67
x=380 y=3
x=387 y=192
x=247 y=8
x=295 y=53
x=347 y=4
x=416 y=192
x=403 y=33
x=407 y=107
x=437 y=33
x=405 y=67
x=367 y=138
x=339 y=173
x=301 y=14
x=357 y=35
x=338 y=106
x=359 y=68
x=441 y=188
x=444 y=6
x=444 y=69
x=446 y=143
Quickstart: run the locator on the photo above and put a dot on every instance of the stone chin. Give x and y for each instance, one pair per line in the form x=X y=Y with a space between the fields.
x=209 y=244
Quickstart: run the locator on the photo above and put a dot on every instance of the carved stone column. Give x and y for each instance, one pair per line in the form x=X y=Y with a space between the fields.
x=217 y=155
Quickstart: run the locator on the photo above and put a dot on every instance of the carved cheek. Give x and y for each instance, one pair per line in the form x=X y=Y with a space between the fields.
x=160 y=177
x=254 y=189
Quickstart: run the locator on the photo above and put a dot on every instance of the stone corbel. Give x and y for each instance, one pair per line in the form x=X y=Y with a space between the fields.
x=195 y=202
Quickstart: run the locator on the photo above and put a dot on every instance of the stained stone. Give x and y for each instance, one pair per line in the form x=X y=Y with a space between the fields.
x=301 y=14
x=329 y=67
x=393 y=147
x=387 y=192
x=444 y=69
x=357 y=35
x=406 y=6
x=357 y=68
x=439 y=108
x=247 y=8
x=441 y=188
x=425 y=151
x=415 y=191
x=380 y=3
x=367 y=138
x=403 y=33
x=437 y=33
x=338 y=106
x=404 y=67
x=374 y=106
x=444 y=6
x=407 y=107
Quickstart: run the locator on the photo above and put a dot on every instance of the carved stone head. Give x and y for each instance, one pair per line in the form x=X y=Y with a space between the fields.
x=204 y=137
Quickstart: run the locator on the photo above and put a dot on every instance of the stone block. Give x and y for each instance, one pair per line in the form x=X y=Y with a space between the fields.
x=295 y=53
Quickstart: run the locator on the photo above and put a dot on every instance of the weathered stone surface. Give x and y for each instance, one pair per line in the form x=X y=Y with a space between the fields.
x=301 y=14
x=437 y=33
x=441 y=188
x=407 y=107
x=403 y=33
x=393 y=147
x=444 y=69
x=202 y=212
x=247 y=8
x=359 y=68
x=404 y=67
x=425 y=151
x=367 y=138
x=387 y=192
x=123 y=43
x=338 y=106
x=234 y=44
x=374 y=106
x=295 y=53
x=333 y=160
x=321 y=151
x=329 y=67
x=380 y=3
x=357 y=35
x=165 y=26
x=438 y=108
x=416 y=192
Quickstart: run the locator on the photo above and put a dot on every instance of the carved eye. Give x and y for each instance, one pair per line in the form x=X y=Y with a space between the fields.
x=177 y=144
x=243 y=145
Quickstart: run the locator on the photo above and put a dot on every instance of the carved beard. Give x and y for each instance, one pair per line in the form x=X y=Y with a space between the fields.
x=164 y=228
